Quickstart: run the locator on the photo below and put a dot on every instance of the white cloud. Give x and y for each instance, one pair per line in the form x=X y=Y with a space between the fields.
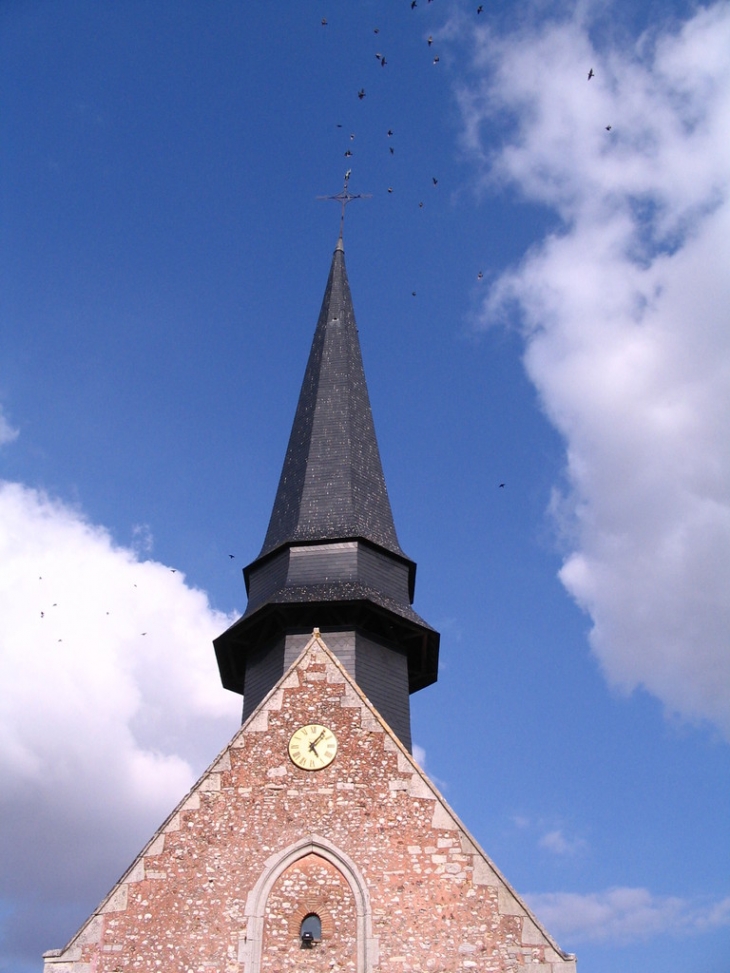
x=626 y=314
x=102 y=728
x=557 y=843
x=624 y=915
x=7 y=432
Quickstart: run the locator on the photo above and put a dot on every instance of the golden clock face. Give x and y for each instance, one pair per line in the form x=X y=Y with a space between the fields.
x=313 y=746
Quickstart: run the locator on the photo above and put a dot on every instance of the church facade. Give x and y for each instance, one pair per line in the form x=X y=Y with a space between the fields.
x=314 y=841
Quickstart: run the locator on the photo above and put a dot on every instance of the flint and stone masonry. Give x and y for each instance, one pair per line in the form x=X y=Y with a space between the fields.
x=367 y=844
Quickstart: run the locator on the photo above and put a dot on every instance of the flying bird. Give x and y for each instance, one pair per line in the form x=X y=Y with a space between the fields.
x=413 y=293
x=231 y=556
x=324 y=21
x=591 y=74
x=480 y=8
x=435 y=180
x=436 y=59
x=376 y=30
x=390 y=189
x=608 y=128
x=390 y=132
x=361 y=94
x=480 y=275
x=420 y=205
x=392 y=150
x=43 y=614
x=348 y=154
x=383 y=62
x=430 y=40
x=413 y=4
x=501 y=485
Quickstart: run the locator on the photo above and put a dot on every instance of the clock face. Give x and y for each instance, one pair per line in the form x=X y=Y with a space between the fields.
x=313 y=746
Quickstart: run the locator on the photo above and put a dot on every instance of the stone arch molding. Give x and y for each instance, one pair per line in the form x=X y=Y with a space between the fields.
x=251 y=941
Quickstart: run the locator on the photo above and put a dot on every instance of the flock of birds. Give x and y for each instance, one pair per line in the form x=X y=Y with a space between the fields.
x=362 y=93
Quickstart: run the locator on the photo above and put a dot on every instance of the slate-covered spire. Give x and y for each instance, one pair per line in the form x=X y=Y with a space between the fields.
x=332 y=483
x=331 y=558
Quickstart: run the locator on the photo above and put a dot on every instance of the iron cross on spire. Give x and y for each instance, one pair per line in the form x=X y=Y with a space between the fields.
x=345 y=196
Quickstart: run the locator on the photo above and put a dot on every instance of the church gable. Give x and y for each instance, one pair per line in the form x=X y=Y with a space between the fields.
x=363 y=851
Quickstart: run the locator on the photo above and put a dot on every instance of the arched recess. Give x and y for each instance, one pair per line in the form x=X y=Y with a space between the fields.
x=249 y=951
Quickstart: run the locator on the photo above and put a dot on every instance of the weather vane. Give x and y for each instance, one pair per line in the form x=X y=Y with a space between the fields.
x=345 y=196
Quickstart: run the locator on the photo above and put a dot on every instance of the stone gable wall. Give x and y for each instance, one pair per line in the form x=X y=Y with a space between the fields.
x=401 y=884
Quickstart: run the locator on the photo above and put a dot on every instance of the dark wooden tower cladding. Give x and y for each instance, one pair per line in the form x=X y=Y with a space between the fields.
x=331 y=558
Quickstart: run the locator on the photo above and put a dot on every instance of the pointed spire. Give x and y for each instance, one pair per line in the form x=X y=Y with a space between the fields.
x=331 y=557
x=332 y=485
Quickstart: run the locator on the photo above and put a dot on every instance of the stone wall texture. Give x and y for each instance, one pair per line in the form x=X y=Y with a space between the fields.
x=367 y=844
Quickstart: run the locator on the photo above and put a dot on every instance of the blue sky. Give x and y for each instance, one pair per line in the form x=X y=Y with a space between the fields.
x=163 y=261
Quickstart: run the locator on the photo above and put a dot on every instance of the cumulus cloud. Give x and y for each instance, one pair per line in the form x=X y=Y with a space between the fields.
x=110 y=707
x=625 y=311
x=625 y=915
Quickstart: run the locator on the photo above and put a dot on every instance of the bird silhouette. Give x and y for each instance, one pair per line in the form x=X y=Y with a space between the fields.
x=480 y=275
x=390 y=189
x=436 y=59
x=480 y=8
x=413 y=4
x=501 y=486
x=324 y=21
x=383 y=62
x=435 y=180
x=608 y=128
x=392 y=150
x=420 y=205
x=390 y=132
x=231 y=556
x=591 y=74
x=348 y=154
x=430 y=40
x=361 y=94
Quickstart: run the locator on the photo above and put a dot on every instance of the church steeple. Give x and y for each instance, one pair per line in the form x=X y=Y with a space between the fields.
x=332 y=483
x=331 y=557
